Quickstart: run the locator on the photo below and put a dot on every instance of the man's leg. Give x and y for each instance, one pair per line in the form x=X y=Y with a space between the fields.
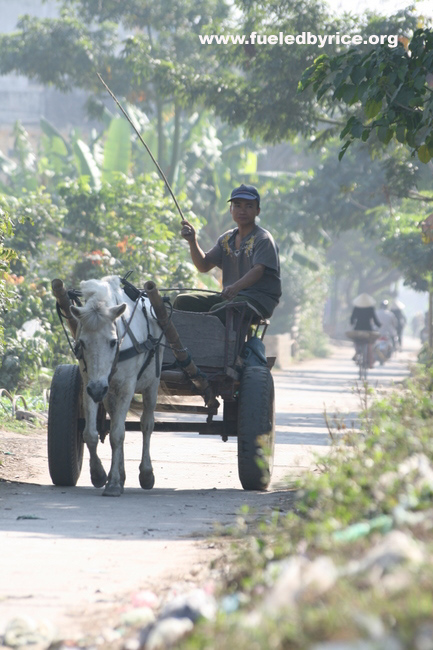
x=220 y=310
x=196 y=302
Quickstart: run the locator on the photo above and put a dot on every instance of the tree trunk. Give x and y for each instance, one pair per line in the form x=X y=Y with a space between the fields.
x=430 y=317
x=161 y=137
x=171 y=174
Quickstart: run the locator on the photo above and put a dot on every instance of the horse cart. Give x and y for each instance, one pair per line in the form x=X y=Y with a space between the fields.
x=208 y=375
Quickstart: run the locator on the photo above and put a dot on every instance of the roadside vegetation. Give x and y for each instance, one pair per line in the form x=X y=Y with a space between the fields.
x=347 y=558
x=348 y=555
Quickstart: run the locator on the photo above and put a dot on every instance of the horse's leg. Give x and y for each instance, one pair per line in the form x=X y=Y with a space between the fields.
x=147 y=478
x=90 y=435
x=117 y=402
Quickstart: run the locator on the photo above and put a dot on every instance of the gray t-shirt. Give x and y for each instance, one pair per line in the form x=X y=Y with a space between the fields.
x=256 y=248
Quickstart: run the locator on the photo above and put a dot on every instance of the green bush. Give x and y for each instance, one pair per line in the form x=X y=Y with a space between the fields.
x=79 y=234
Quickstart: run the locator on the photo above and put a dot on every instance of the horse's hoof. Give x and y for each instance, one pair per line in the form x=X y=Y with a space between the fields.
x=98 y=478
x=112 y=491
x=147 y=481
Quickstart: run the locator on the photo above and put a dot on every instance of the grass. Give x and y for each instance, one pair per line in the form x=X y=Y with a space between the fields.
x=371 y=482
x=10 y=403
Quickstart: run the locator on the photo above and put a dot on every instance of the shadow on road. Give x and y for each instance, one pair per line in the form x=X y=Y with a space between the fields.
x=82 y=513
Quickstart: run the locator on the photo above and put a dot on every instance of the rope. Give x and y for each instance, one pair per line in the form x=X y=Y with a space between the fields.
x=61 y=318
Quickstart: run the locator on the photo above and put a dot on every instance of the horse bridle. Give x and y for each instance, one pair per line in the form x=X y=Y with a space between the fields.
x=79 y=350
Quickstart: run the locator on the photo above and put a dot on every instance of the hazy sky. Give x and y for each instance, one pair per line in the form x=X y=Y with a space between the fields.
x=424 y=7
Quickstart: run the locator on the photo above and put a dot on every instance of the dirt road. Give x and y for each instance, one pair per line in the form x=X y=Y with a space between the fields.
x=70 y=556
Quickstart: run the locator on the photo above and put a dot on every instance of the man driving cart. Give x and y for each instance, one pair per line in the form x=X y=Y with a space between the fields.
x=247 y=255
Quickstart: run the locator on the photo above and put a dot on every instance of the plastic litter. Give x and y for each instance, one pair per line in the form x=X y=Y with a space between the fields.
x=193 y=605
x=166 y=633
x=382 y=523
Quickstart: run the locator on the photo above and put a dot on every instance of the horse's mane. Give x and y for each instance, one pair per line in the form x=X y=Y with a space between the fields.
x=99 y=295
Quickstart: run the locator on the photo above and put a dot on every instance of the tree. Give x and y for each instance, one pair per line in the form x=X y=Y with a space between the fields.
x=88 y=37
x=390 y=90
x=404 y=246
x=167 y=74
x=125 y=225
x=256 y=85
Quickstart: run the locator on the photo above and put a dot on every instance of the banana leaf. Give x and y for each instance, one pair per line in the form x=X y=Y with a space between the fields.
x=7 y=166
x=87 y=164
x=117 y=149
x=59 y=144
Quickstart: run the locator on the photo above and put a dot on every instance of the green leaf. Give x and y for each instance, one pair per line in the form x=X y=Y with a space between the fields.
x=400 y=133
x=410 y=138
x=357 y=74
x=357 y=129
x=250 y=166
x=405 y=95
x=424 y=154
x=323 y=90
x=347 y=127
x=87 y=163
x=348 y=93
x=419 y=83
x=7 y=166
x=384 y=134
x=344 y=149
x=55 y=135
x=362 y=88
x=372 y=107
x=117 y=149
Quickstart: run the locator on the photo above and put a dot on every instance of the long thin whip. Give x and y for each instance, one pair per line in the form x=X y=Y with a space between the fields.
x=144 y=144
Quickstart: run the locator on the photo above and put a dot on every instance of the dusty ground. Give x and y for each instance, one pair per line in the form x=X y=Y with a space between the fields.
x=74 y=558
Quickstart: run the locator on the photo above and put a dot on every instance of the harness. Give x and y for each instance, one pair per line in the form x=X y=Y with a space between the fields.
x=150 y=347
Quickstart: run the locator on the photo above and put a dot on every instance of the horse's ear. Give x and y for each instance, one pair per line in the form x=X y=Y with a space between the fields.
x=76 y=312
x=117 y=311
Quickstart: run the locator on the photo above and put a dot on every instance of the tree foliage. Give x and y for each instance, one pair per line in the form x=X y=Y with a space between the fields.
x=403 y=245
x=6 y=256
x=392 y=87
x=100 y=221
x=125 y=225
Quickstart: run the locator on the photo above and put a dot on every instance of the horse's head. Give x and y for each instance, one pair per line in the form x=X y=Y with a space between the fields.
x=98 y=343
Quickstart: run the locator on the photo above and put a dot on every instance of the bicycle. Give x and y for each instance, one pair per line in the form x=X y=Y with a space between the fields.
x=361 y=359
x=362 y=339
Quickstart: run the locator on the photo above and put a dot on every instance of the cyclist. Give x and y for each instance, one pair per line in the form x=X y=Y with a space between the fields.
x=363 y=317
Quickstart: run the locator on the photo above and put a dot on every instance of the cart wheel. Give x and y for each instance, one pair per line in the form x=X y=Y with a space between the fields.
x=65 y=440
x=256 y=428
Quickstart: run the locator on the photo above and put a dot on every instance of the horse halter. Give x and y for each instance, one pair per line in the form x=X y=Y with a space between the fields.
x=79 y=350
x=79 y=355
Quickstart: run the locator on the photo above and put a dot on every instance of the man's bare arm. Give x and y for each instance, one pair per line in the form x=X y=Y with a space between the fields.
x=199 y=258
x=246 y=281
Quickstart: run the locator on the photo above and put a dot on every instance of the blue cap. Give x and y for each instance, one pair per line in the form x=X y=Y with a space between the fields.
x=248 y=192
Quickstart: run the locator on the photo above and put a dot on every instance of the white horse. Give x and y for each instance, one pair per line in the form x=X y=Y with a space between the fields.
x=103 y=337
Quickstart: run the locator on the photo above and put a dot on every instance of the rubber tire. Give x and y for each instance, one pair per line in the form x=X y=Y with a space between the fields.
x=65 y=439
x=256 y=424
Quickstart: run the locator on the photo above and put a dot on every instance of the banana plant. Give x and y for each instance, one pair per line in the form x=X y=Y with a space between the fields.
x=106 y=153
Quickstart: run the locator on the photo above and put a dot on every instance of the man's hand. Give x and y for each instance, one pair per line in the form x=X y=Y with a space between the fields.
x=248 y=280
x=188 y=231
x=230 y=292
x=199 y=258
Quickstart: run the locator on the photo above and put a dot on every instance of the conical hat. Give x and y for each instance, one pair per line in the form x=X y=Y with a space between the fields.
x=397 y=304
x=364 y=300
